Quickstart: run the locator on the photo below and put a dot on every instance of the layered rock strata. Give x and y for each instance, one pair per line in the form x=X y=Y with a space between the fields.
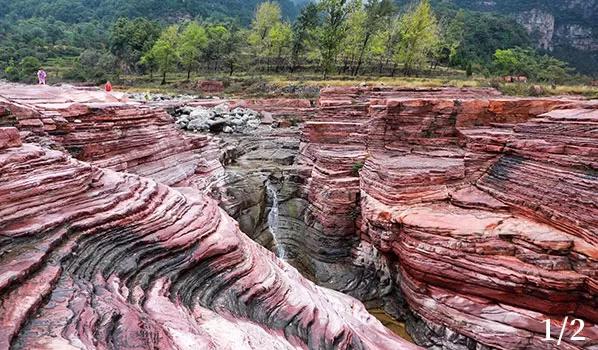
x=468 y=215
x=92 y=258
x=111 y=132
x=476 y=215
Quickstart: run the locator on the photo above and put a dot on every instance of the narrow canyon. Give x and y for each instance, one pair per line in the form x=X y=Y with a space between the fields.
x=371 y=218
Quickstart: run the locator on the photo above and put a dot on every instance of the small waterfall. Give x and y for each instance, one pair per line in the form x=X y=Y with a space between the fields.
x=273 y=221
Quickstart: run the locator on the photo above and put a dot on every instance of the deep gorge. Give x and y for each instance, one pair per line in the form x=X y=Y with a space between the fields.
x=466 y=215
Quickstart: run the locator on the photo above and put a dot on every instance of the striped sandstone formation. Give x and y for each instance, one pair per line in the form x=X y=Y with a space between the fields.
x=476 y=214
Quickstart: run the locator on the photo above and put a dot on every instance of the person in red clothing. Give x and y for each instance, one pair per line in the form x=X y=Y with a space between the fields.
x=108 y=86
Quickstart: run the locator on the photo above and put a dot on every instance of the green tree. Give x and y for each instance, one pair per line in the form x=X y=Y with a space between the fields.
x=518 y=61
x=469 y=69
x=419 y=36
x=390 y=38
x=192 y=41
x=233 y=48
x=376 y=14
x=351 y=44
x=267 y=15
x=280 y=37
x=28 y=66
x=130 y=39
x=148 y=61
x=332 y=32
x=164 y=51
x=218 y=42
x=484 y=34
x=303 y=33
x=95 y=66
x=553 y=70
x=24 y=70
x=266 y=26
x=451 y=37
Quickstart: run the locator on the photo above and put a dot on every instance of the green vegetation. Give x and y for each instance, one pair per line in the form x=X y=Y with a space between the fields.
x=334 y=39
x=527 y=63
x=108 y=11
x=419 y=35
x=356 y=168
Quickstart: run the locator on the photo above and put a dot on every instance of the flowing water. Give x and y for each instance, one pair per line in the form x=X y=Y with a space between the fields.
x=273 y=224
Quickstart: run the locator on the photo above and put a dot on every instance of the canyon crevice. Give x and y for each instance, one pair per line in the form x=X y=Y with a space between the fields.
x=469 y=216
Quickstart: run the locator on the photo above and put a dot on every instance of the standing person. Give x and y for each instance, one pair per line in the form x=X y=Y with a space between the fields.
x=41 y=76
x=108 y=86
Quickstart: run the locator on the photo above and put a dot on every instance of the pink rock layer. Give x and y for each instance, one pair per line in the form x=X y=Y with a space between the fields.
x=110 y=132
x=488 y=205
x=92 y=258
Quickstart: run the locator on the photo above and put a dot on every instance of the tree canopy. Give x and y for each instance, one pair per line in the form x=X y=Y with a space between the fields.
x=347 y=37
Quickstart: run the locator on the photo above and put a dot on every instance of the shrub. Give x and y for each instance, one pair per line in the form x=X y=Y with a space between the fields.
x=24 y=71
x=356 y=169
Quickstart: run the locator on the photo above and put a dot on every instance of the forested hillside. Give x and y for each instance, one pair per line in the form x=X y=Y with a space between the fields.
x=94 y=40
x=76 y=11
x=567 y=29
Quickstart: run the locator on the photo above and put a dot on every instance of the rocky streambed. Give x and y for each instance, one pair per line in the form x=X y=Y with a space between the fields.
x=460 y=217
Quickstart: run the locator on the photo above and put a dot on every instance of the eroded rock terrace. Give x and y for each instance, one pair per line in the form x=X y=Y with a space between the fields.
x=467 y=215
x=94 y=258
x=476 y=213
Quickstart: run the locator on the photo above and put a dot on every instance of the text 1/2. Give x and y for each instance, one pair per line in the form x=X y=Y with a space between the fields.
x=573 y=323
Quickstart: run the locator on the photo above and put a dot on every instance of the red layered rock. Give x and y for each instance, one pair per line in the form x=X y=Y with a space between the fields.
x=550 y=171
x=487 y=204
x=111 y=132
x=9 y=137
x=94 y=258
x=210 y=86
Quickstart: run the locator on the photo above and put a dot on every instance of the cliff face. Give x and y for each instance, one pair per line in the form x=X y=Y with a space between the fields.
x=540 y=25
x=548 y=32
x=558 y=26
x=148 y=266
x=112 y=133
x=476 y=212
x=91 y=257
x=470 y=216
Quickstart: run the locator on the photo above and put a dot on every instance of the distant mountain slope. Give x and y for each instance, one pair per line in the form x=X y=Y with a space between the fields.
x=566 y=28
x=72 y=11
x=562 y=22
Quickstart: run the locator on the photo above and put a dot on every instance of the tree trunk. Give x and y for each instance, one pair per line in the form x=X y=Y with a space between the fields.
x=278 y=60
x=345 y=64
x=163 y=78
x=189 y=73
x=360 y=61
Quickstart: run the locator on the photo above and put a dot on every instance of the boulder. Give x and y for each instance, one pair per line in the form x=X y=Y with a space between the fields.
x=216 y=119
x=536 y=90
x=200 y=113
x=267 y=118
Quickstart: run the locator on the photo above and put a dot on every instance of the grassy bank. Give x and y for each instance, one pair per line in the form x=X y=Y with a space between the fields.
x=306 y=85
